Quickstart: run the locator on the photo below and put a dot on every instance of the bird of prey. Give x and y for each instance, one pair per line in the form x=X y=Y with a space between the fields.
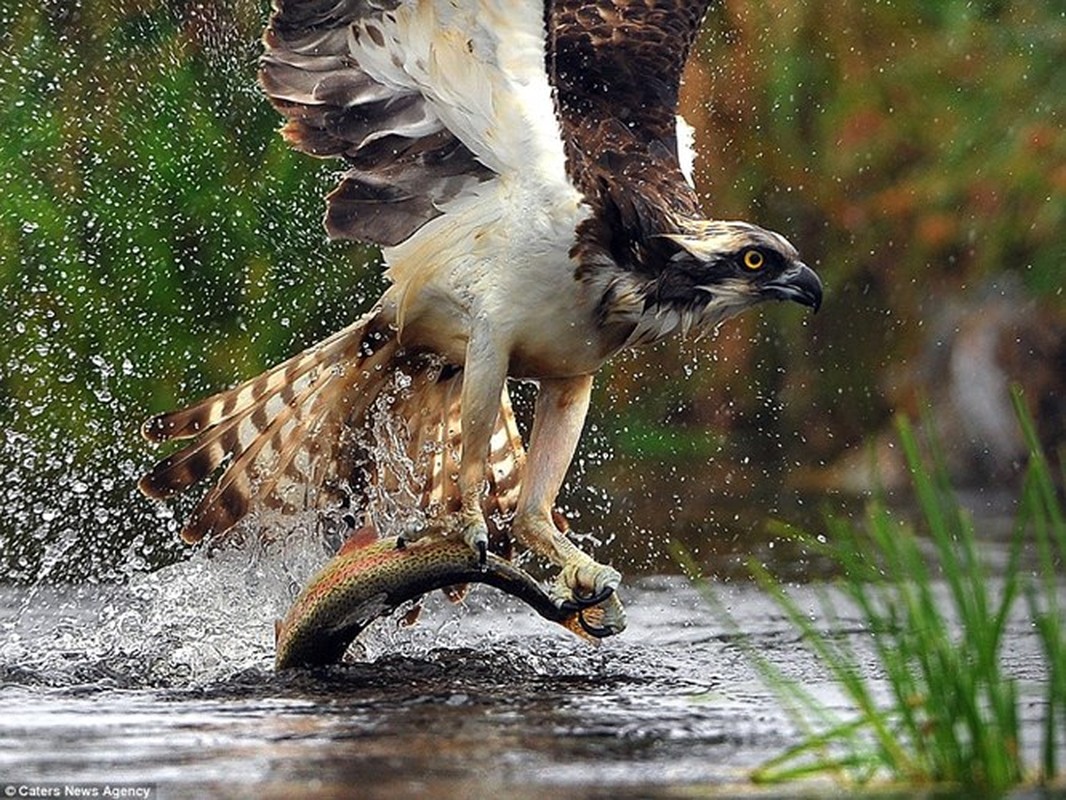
x=519 y=164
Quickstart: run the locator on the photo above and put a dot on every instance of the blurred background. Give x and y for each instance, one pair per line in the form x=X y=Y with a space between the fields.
x=158 y=242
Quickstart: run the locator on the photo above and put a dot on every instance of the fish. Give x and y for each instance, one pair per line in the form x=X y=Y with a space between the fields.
x=367 y=580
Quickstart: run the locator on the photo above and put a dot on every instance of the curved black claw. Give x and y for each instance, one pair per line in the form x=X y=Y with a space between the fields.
x=594 y=630
x=579 y=604
x=482 y=554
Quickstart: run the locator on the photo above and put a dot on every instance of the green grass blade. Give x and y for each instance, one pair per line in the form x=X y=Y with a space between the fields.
x=937 y=626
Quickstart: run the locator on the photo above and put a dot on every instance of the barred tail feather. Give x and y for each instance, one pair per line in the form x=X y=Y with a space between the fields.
x=280 y=381
x=307 y=456
x=186 y=467
x=305 y=435
x=256 y=420
x=231 y=498
x=507 y=459
x=433 y=417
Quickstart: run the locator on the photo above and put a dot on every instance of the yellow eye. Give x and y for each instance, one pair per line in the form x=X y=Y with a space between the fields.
x=753 y=259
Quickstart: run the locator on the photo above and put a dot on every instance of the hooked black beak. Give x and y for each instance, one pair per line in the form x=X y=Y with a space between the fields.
x=800 y=284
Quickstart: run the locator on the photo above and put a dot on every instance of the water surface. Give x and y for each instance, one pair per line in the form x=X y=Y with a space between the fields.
x=169 y=681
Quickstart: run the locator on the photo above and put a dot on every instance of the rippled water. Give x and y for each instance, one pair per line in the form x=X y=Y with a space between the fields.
x=169 y=681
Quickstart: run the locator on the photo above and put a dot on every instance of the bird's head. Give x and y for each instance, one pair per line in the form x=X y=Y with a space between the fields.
x=711 y=270
x=716 y=270
x=737 y=264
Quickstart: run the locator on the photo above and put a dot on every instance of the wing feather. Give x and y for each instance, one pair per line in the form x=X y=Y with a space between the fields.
x=329 y=69
x=616 y=66
x=622 y=60
x=425 y=100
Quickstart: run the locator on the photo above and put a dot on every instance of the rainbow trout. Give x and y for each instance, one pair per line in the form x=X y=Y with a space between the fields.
x=364 y=582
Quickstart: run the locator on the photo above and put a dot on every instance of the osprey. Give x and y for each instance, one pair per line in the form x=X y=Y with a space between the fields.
x=519 y=164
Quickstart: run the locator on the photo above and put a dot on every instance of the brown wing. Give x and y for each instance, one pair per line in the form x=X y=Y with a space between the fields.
x=616 y=67
x=403 y=162
x=622 y=60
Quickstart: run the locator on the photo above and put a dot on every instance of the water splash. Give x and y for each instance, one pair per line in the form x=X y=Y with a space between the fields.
x=393 y=501
x=210 y=616
x=189 y=623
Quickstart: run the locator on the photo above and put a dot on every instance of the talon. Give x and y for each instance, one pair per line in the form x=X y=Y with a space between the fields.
x=579 y=603
x=597 y=598
x=609 y=618
x=592 y=630
x=476 y=536
x=606 y=618
x=401 y=543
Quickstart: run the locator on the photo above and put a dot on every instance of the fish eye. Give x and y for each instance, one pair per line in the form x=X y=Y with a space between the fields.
x=753 y=260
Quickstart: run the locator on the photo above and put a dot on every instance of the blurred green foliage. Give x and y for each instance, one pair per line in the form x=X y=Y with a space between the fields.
x=158 y=240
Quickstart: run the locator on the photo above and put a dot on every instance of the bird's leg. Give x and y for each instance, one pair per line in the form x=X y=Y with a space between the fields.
x=484 y=376
x=560 y=415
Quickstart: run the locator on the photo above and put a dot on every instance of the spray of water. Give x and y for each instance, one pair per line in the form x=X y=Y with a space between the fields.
x=210 y=613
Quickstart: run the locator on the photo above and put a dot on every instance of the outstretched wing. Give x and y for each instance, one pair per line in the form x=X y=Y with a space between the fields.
x=616 y=67
x=618 y=63
x=424 y=100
